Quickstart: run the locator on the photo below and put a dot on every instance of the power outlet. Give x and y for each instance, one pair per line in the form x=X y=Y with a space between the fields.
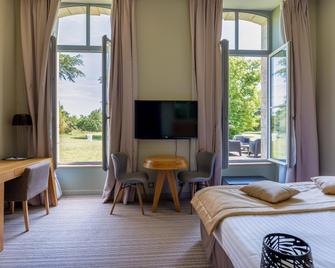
x=151 y=185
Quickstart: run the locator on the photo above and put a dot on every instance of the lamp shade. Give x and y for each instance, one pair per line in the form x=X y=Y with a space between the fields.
x=22 y=120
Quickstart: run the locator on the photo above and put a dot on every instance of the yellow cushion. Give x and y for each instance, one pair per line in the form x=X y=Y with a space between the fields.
x=269 y=191
x=325 y=183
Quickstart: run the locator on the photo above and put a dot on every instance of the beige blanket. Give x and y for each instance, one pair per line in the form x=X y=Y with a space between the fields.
x=214 y=204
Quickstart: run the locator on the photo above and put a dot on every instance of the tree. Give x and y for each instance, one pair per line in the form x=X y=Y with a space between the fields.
x=68 y=67
x=68 y=71
x=244 y=95
x=91 y=122
x=67 y=123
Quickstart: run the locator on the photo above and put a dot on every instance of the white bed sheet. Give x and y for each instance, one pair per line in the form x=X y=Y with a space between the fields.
x=241 y=237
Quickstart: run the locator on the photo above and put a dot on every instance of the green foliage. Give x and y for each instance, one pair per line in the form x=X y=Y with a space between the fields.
x=91 y=122
x=244 y=96
x=67 y=122
x=68 y=67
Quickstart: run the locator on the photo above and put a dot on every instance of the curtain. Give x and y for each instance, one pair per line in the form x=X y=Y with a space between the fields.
x=123 y=90
x=37 y=19
x=304 y=152
x=206 y=24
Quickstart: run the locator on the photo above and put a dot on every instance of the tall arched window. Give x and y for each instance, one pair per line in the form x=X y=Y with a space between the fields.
x=79 y=36
x=248 y=33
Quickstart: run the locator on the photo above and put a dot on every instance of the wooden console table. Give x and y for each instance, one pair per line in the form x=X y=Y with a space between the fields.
x=11 y=169
x=165 y=165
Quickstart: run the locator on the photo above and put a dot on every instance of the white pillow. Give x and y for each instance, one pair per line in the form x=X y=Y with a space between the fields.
x=269 y=191
x=325 y=183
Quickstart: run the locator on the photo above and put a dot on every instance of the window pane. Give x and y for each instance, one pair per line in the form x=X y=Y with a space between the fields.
x=72 y=26
x=252 y=32
x=80 y=122
x=279 y=105
x=278 y=133
x=100 y=24
x=228 y=28
x=247 y=108
x=279 y=78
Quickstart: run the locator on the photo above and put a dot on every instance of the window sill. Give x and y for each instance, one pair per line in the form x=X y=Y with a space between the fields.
x=251 y=162
x=79 y=166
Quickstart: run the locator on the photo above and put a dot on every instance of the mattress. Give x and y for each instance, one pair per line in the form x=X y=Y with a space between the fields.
x=241 y=237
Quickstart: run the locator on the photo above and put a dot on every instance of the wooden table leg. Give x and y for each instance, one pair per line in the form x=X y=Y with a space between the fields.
x=2 y=201
x=52 y=186
x=158 y=189
x=173 y=189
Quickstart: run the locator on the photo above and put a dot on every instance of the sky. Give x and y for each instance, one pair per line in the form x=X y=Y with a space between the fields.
x=83 y=96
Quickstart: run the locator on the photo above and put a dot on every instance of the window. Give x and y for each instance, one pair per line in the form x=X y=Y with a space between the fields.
x=249 y=46
x=278 y=105
x=80 y=30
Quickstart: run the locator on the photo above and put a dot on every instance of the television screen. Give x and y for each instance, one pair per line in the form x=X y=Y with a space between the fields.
x=166 y=119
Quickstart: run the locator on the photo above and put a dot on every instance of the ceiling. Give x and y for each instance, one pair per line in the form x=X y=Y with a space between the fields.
x=251 y=4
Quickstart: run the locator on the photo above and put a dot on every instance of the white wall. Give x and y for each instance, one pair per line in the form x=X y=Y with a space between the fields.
x=7 y=77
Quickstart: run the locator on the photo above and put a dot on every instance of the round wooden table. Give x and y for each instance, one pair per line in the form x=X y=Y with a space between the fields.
x=165 y=165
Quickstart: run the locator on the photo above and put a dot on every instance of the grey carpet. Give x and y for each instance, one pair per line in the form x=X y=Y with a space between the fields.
x=81 y=233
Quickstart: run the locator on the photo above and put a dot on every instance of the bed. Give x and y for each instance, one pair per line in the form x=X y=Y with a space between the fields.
x=236 y=241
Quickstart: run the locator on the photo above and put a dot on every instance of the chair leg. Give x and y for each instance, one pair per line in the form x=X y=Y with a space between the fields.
x=26 y=214
x=139 y=195
x=12 y=207
x=116 y=198
x=180 y=189
x=46 y=201
x=144 y=192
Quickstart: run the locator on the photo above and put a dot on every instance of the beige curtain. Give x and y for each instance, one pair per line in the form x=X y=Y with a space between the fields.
x=123 y=89
x=206 y=24
x=37 y=21
x=304 y=152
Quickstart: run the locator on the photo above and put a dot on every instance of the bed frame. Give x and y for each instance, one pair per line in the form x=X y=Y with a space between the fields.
x=214 y=252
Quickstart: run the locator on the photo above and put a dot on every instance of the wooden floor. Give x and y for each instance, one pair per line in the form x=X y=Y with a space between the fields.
x=81 y=233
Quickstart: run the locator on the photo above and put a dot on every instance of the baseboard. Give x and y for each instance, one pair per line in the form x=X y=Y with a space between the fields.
x=150 y=196
x=82 y=192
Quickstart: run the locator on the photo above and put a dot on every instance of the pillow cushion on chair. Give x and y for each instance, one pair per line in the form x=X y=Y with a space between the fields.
x=325 y=183
x=272 y=192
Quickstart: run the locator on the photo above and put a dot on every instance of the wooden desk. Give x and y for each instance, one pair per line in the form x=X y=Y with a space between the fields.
x=11 y=169
x=165 y=165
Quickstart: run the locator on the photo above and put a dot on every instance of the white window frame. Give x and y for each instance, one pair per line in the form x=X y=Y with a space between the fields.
x=288 y=116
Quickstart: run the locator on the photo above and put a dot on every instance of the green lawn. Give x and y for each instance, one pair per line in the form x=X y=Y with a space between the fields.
x=75 y=147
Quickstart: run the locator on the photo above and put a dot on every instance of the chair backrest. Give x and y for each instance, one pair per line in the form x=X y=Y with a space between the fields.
x=242 y=138
x=33 y=181
x=206 y=163
x=257 y=146
x=119 y=164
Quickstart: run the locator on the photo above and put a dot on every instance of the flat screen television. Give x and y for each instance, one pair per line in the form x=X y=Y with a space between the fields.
x=166 y=119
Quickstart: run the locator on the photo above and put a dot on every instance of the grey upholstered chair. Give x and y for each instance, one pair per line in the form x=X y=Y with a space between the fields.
x=255 y=147
x=243 y=139
x=204 y=173
x=137 y=179
x=235 y=146
x=33 y=181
